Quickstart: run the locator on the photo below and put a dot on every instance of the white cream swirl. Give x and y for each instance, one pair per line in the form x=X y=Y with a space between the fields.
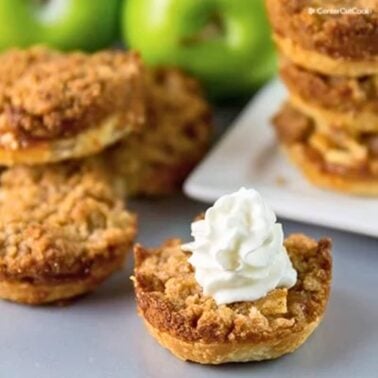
x=238 y=252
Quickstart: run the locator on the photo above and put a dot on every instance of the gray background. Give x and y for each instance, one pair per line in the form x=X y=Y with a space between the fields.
x=101 y=335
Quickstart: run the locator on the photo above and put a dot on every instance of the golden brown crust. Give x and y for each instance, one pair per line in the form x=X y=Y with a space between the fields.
x=328 y=157
x=219 y=353
x=339 y=94
x=177 y=135
x=193 y=327
x=60 y=224
x=88 y=142
x=314 y=171
x=73 y=102
x=37 y=293
x=355 y=123
x=315 y=61
x=346 y=36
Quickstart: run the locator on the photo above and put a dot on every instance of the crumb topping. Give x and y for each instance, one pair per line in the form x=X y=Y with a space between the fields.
x=351 y=36
x=58 y=221
x=179 y=127
x=47 y=94
x=170 y=299
x=15 y=62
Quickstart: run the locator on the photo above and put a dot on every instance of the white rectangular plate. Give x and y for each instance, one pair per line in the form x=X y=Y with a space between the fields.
x=248 y=155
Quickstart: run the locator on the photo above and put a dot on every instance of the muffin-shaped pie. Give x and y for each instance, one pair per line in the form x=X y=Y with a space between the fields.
x=238 y=293
x=350 y=103
x=336 y=37
x=176 y=136
x=63 y=230
x=56 y=106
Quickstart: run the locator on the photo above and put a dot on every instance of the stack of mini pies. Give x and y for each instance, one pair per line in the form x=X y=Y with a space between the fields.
x=79 y=133
x=329 y=63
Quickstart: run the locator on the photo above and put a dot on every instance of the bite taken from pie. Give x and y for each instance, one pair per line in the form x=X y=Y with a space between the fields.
x=239 y=292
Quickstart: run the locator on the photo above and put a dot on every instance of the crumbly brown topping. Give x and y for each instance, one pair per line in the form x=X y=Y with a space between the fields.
x=171 y=300
x=60 y=220
x=332 y=92
x=14 y=64
x=177 y=135
x=47 y=94
x=351 y=36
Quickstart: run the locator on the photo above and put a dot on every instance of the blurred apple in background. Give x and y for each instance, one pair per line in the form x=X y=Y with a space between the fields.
x=226 y=43
x=63 y=24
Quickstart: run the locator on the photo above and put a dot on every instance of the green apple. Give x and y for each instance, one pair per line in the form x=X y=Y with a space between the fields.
x=226 y=43
x=63 y=24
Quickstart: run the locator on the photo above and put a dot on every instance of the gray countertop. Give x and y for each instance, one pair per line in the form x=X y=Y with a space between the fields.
x=101 y=336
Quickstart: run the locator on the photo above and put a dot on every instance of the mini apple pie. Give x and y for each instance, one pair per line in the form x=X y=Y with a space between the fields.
x=63 y=230
x=175 y=138
x=350 y=102
x=313 y=35
x=238 y=293
x=56 y=106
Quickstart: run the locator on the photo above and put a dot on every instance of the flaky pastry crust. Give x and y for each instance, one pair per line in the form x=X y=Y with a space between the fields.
x=194 y=328
x=355 y=123
x=64 y=106
x=38 y=293
x=346 y=103
x=324 y=64
x=313 y=170
x=334 y=93
x=176 y=136
x=63 y=229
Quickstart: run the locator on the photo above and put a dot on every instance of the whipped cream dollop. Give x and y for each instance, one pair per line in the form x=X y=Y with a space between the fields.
x=238 y=252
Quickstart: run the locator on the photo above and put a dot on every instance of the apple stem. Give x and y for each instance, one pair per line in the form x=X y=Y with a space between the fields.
x=211 y=30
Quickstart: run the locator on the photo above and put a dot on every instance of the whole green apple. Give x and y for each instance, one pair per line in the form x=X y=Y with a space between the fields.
x=63 y=24
x=226 y=43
